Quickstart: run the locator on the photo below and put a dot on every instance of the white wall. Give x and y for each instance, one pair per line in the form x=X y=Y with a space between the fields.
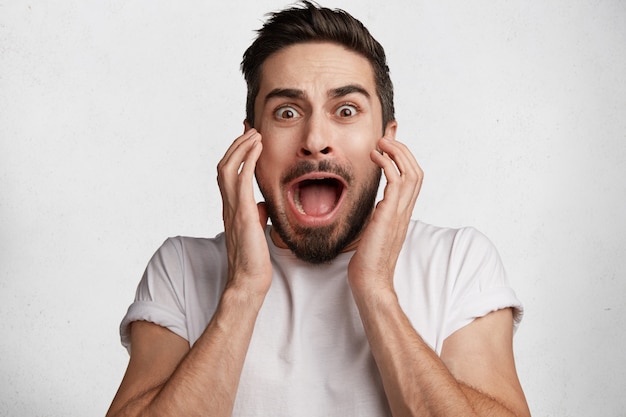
x=113 y=115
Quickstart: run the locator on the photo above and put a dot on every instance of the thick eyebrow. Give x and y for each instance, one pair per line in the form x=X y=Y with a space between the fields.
x=286 y=93
x=300 y=95
x=348 y=89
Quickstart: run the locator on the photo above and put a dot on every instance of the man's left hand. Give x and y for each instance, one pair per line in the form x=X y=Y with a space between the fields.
x=382 y=239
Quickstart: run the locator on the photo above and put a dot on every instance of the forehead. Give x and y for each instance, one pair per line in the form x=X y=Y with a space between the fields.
x=316 y=65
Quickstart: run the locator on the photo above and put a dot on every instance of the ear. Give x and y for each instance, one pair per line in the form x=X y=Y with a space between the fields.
x=246 y=126
x=390 y=130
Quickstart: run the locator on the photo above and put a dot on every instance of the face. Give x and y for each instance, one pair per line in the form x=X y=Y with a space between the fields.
x=320 y=118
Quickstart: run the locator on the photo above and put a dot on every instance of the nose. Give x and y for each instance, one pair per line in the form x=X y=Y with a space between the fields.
x=316 y=141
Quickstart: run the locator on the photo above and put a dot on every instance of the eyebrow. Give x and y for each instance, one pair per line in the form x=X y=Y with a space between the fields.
x=285 y=93
x=294 y=93
x=348 y=89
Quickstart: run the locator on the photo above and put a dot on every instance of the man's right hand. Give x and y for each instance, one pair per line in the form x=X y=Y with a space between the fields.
x=249 y=266
x=165 y=375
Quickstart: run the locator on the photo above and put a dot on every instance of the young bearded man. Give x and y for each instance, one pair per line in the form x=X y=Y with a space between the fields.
x=342 y=307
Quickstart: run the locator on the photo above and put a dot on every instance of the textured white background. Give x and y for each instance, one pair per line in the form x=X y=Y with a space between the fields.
x=113 y=115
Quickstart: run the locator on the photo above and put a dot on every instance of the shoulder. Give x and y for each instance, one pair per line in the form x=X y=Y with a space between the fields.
x=427 y=238
x=457 y=272
x=451 y=254
x=183 y=259
x=181 y=281
x=186 y=249
x=194 y=245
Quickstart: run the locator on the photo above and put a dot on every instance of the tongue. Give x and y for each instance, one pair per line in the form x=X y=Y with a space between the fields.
x=317 y=199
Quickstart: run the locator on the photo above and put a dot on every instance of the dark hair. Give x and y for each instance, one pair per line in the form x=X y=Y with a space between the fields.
x=313 y=23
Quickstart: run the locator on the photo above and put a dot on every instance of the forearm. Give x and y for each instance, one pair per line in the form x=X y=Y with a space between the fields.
x=484 y=405
x=206 y=380
x=416 y=382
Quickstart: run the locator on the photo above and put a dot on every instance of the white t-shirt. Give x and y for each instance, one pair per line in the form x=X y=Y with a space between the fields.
x=309 y=355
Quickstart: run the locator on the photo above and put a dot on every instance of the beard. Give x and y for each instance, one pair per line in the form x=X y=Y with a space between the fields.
x=322 y=244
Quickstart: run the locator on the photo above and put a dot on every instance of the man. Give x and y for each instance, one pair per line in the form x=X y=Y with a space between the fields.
x=341 y=307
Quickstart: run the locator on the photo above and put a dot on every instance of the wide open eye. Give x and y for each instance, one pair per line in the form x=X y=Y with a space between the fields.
x=286 y=113
x=346 y=111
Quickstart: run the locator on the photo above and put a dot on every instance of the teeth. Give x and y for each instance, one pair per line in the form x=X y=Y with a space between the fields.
x=296 y=200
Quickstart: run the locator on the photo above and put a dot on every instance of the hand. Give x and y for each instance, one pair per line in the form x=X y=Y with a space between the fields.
x=381 y=241
x=244 y=221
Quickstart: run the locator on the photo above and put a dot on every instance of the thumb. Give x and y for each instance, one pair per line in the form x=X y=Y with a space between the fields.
x=263 y=216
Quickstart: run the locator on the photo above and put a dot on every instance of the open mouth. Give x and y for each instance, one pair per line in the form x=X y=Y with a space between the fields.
x=317 y=195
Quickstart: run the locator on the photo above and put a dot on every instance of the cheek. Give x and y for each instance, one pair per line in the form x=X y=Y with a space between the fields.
x=359 y=152
x=262 y=172
x=279 y=147
x=270 y=157
x=270 y=165
x=361 y=139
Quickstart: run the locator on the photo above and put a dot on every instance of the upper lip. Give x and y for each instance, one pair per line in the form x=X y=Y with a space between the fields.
x=318 y=175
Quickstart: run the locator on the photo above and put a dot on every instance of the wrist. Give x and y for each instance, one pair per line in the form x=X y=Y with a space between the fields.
x=253 y=285
x=374 y=291
x=243 y=295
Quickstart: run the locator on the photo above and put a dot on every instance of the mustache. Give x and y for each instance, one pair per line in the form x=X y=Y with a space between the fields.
x=305 y=167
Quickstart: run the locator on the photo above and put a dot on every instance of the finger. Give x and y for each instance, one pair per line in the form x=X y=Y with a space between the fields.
x=402 y=157
x=246 y=174
x=235 y=179
x=403 y=174
x=249 y=134
x=231 y=163
x=389 y=167
x=392 y=190
x=384 y=161
x=263 y=215
x=410 y=173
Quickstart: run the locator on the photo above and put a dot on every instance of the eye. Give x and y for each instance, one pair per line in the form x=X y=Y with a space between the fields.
x=347 y=111
x=286 y=113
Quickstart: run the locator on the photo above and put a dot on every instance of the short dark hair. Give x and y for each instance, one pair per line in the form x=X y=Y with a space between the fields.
x=313 y=23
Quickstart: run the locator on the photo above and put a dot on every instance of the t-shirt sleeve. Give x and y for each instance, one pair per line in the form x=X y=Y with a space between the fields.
x=160 y=294
x=477 y=282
